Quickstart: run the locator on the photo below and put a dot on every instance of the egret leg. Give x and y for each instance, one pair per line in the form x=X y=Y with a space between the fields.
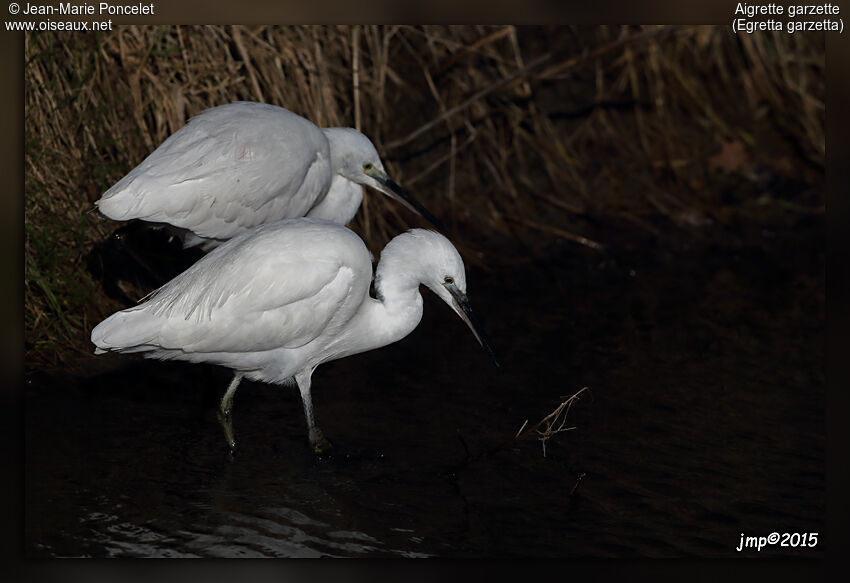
x=224 y=414
x=317 y=438
x=227 y=399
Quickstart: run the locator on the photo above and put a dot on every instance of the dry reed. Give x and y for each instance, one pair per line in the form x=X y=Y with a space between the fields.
x=516 y=137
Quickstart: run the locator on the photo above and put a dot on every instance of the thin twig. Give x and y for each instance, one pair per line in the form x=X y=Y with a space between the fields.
x=578 y=481
x=473 y=48
x=246 y=58
x=479 y=95
x=554 y=423
x=559 y=233
x=355 y=73
x=643 y=35
x=519 y=432
x=441 y=160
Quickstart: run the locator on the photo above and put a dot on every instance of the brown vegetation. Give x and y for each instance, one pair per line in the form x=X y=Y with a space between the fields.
x=516 y=138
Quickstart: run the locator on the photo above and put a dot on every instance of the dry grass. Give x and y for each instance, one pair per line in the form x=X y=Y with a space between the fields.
x=544 y=430
x=515 y=137
x=552 y=424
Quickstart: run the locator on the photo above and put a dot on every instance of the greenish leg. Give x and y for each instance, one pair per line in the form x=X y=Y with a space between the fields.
x=227 y=399
x=224 y=413
x=318 y=442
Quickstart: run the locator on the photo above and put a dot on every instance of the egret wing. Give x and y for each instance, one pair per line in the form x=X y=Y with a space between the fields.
x=230 y=168
x=263 y=290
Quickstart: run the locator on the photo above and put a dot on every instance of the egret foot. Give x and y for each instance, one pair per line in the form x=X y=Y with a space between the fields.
x=226 y=422
x=318 y=441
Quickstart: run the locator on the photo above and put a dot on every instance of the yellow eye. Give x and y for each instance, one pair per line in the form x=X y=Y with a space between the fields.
x=449 y=280
x=367 y=166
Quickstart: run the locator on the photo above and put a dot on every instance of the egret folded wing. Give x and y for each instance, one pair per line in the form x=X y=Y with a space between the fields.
x=222 y=173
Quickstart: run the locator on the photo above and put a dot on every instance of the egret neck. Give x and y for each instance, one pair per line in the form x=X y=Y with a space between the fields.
x=398 y=308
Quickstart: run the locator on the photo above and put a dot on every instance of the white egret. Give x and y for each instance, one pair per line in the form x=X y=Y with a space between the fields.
x=236 y=166
x=274 y=303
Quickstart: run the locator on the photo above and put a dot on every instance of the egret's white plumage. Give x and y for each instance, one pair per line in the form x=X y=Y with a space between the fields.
x=236 y=166
x=274 y=303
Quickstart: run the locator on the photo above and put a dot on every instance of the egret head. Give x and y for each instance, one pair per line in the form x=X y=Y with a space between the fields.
x=354 y=157
x=439 y=267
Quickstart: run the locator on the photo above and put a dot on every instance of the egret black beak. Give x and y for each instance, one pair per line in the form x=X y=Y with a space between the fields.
x=464 y=310
x=396 y=192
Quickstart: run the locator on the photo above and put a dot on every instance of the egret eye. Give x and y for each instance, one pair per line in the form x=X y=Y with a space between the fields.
x=367 y=166
x=449 y=280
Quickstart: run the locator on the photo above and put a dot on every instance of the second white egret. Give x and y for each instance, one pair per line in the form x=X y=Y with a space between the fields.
x=275 y=303
x=236 y=166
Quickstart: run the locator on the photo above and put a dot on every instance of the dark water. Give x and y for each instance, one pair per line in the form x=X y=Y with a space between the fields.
x=704 y=420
